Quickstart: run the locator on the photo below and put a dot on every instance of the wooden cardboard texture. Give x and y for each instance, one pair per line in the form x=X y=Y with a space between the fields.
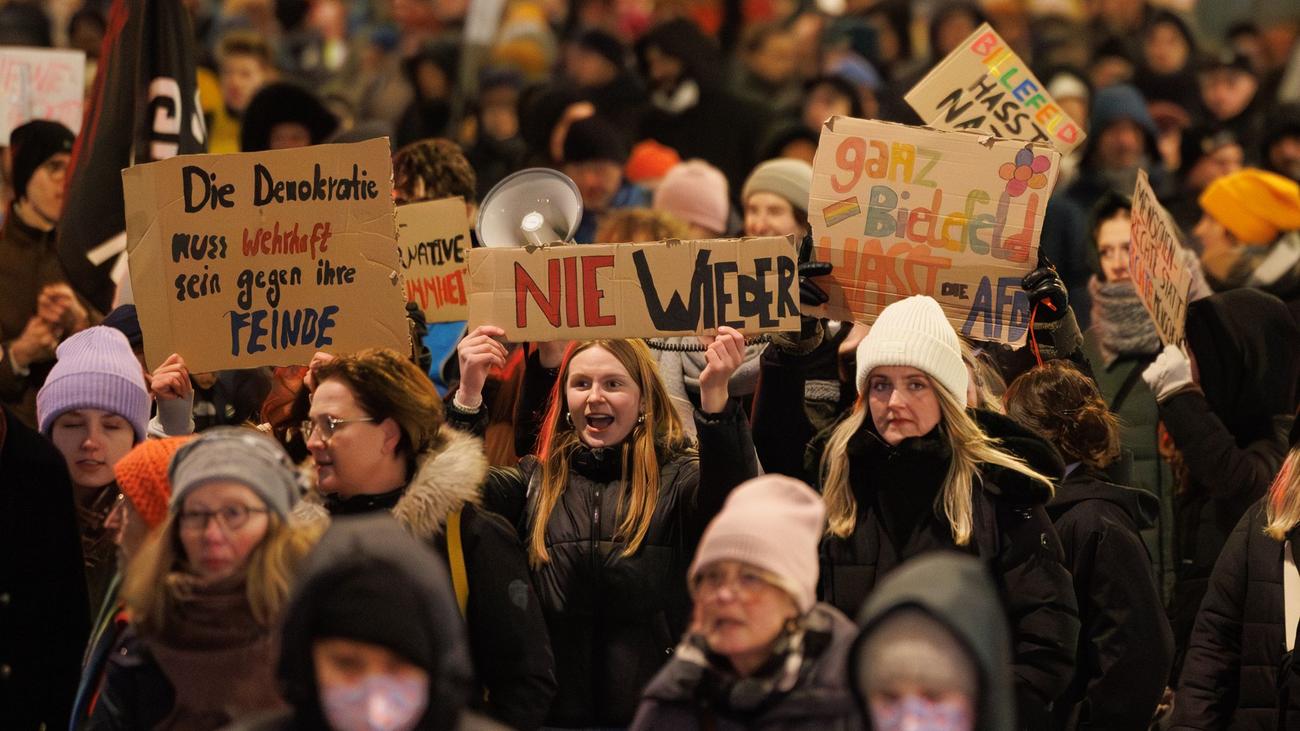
x=41 y=83
x=636 y=290
x=260 y=259
x=902 y=210
x=983 y=86
x=432 y=241
x=1159 y=272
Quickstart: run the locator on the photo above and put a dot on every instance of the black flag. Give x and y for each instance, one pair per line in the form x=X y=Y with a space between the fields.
x=144 y=107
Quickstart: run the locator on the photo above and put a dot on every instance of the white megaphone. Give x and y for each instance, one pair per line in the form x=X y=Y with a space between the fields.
x=534 y=206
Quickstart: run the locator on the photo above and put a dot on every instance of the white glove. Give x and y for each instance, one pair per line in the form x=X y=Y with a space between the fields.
x=1170 y=373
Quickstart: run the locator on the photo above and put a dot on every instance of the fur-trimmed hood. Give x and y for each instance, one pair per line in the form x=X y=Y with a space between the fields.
x=445 y=480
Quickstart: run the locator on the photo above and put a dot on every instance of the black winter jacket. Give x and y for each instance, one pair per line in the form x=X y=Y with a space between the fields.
x=43 y=617
x=1125 y=646
x=1231 y=673
x=895 y=489
x=507 y=634
x=614 y=620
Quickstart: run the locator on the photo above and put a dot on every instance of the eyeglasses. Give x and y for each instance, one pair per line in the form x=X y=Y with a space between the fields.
x=327 y=425
x=745 y=583
x=231 y=517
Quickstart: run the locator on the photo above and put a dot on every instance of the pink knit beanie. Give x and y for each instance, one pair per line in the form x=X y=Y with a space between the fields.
x=695 y=192
x=772 y=522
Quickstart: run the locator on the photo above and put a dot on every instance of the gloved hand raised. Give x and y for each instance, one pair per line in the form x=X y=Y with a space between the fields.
x=1045 y=287
x=1169 y=373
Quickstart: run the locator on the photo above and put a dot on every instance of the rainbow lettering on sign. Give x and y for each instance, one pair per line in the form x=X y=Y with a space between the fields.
x=841 y=211
x=1004 y=65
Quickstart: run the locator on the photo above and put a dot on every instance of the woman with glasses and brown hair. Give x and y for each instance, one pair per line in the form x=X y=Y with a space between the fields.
x=376 y=434
x=206 y=593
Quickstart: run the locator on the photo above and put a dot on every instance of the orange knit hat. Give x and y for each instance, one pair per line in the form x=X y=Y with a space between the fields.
x=650 y=161
x=142 y=476
x=1254 y=205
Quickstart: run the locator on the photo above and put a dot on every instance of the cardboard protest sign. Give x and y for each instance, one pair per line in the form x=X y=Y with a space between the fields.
x=636 y=290
x=40 y=83
x=983 y=86
x=1156 y=264
x=432 y=240
x=901 y=210
x=264 y=258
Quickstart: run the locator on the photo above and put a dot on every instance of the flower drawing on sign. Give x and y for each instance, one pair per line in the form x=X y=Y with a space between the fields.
x=1028 y=171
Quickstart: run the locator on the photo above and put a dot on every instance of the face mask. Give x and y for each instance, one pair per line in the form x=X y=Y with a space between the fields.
x=379 y=703
x=914 y=713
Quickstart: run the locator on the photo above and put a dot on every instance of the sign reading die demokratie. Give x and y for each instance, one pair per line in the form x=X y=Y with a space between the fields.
x=636 y=290
x=432 y=241
x=259 y=259
x=902 y=210
x=1159 y=272
x=983 y=86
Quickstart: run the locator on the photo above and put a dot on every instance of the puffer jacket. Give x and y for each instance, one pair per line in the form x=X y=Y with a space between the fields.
x=689 y=695
x=614 y=620
x=508 y=639
x=895 y=489
x=1125 y=647
x=1231 y=675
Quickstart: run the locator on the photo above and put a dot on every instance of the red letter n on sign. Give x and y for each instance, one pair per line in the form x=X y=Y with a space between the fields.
x=526 y=286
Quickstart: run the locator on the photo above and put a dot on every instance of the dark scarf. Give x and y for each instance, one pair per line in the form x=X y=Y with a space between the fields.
x=1123 y=323
x=902 y=482
x=218 y=658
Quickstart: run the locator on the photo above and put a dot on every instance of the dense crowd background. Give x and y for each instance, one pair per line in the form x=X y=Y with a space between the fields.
x=836 y=528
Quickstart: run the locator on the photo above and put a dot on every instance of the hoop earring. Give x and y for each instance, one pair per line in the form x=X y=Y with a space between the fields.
x=568 y=419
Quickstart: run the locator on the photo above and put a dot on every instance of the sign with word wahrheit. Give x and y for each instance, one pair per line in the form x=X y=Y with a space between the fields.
x=40 y=83
x=636 y=290
x=258 y=259
x=983 y=86
x=1156 y=263
x=901 y=210
x=432 y=241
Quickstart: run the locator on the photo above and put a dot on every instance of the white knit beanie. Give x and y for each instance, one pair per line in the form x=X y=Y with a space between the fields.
x=772 y=522
x=914 y=332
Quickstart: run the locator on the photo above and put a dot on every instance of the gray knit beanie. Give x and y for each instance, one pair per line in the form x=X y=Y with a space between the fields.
x=789 y=178
x=240 y=455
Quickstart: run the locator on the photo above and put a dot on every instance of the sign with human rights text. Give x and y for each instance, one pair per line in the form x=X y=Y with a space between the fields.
x=900 y=210
x=1159 y=272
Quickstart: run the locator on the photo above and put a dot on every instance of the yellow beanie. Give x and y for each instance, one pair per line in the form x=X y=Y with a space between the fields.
x=1254 y=205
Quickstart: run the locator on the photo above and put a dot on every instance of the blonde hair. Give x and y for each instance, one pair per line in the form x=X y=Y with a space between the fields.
x=1282 y=509
x=660 y=429
x=970 y=447
x=157 y=580
x=630 y=225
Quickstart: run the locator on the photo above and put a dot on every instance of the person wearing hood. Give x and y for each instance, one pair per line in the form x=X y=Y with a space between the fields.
x=44 y=610
x=613 y=504
x=377 y=435
x=762 y=652
x=1240 y=670
x=1250 y=234
x=206 y=592
x=94 y=408
x=1227 y=409
x=1121 y=140
x=690 y=109
x=372 y=638
x=596 y=63
x=284 y=115
x=1168 y=69
x=1121 y=343
x=1125 y=645
x=934 y=650
x=910 y=470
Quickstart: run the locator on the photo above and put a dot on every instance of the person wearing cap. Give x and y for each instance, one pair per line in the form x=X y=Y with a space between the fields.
x=910 y=470
x=372 y=638
x=141 y=507
x=762 y=651
x=38 y=308
x=697 y=193
x=1205 y=154
x=934 y=652
x=283 y=115
x=775 y=199
x=1239 y=672
x=1230 y=95
x=1250 y=234
x=94 y=407
x=206 y=593
x=649 y=163
x=380 y=443
x=594 y=154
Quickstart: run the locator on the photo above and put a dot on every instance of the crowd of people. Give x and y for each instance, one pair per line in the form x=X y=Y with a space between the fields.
x=840 y=527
